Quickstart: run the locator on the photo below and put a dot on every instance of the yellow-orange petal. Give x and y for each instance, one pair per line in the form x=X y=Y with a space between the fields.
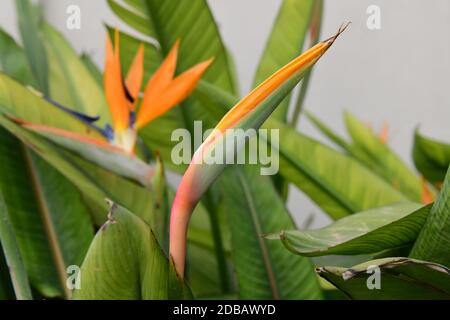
x=427 y=196
x=135 y=76
x=158 y=103
x=114 y=90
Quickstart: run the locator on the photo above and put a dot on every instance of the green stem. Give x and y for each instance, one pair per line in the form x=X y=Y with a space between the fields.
x=13 y=257
x=218 y=244
x=300 y=100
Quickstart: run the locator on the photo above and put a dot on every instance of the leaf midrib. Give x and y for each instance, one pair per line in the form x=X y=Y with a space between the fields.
x=47 y=222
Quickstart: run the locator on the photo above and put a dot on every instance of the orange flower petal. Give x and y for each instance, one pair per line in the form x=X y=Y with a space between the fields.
x=164 y=75
x=114 y=90
x=163 y=92
x=135 y=76
x=159 y=103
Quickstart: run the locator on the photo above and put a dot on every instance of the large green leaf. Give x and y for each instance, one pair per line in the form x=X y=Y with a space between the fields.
x=19 y=102
x=71 y=83
x=52 y=226
x=52 y=234
x=6 y=287
x=13 y=60
x=328 y=132
x=350 y=149
x=208 y=261
x=265 y=270
x=400 y=279
x=124 y=262
x=14 y=260
x=30 y=19
x=92 y=68
x=285 y=42
x=94 y=182
x=367 y=232
x=193 y=23
x=431 y=158
x=385 y=162
x=117 y=161
x=371 y=152
x=339 y=184
x=135 y=15
x=433 y=242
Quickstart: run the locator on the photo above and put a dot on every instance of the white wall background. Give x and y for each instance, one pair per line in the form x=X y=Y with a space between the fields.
x=399 y=74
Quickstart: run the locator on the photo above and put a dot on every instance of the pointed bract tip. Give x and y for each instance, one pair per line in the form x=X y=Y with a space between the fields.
x=341 y=30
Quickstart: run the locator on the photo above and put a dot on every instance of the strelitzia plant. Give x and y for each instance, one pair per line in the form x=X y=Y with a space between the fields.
x=229 y=251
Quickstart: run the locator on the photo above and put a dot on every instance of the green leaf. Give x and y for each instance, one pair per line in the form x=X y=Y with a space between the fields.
x=193 y=23
x=19 y=102
x=328 y=132
x=351 y=150
x=137 y=19
x=434 y=239
x=431 y=158
x=13 y=60
x=265 y=270
x=159 y=219
x=386 y=163
x=367 y=232
x=285 y=42
x=339 y=184
x=50 y=233
x=207 y=273
x=124 y=164
x=13 y=256
x=29 y=23
x=94 y=182
x=124 y=262
x=6 y=287
x=315 y=28
x=71 y=82
x=400 y=279
x=93 y=69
